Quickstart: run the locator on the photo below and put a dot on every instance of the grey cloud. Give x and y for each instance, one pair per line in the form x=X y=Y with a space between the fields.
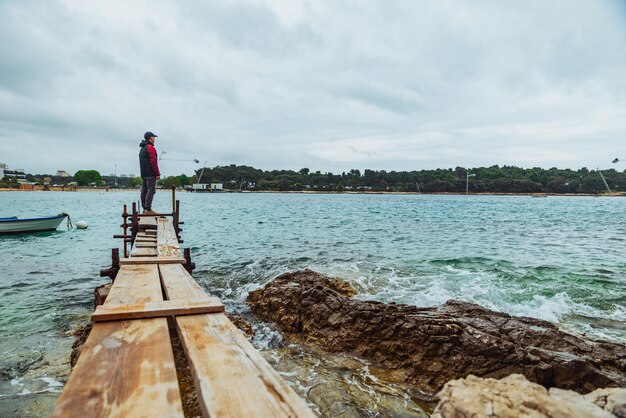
x=328 y=85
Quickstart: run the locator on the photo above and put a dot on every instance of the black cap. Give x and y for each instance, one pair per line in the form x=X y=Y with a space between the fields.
x=149 y=135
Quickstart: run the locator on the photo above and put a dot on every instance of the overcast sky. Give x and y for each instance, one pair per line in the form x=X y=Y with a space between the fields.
x=329 y=85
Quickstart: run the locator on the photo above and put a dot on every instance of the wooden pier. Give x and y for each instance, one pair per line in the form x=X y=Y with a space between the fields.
x=127 y=367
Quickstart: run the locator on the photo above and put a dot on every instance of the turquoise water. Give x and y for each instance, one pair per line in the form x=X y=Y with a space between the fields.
x=559 y=259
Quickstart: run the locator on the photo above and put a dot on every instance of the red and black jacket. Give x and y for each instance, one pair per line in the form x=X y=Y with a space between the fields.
x=148 y=162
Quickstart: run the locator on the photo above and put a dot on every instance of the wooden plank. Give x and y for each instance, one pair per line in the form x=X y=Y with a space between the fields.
x=230 y=375
x=145 y=245
x=151 y=232
x=140 y=239
x=143 y=252
x=167 y=241
x=147 y=222
x=151 y=260
x=126 y=368
x=195 y=306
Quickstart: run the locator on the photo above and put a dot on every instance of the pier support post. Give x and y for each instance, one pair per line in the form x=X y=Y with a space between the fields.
x=134 y=222
x=115 y=265
x=189 y=265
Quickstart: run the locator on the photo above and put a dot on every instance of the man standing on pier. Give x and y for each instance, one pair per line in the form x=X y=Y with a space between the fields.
x=150 y=173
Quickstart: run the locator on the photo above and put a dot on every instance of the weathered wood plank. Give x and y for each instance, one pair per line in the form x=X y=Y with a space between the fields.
x=195 y=306
x=167 y=241
x=151 y=260
x=230 y=375
x=150 y=240
x=143 y=252
x=144 y=244
x=151 y=232
x=147 y=222
x=126 y=368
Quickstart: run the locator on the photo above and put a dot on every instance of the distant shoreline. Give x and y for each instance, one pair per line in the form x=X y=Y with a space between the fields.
x=91 y=189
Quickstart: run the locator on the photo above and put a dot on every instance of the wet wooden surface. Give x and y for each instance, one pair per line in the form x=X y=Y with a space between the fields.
x=126 y=368
x=231 y=376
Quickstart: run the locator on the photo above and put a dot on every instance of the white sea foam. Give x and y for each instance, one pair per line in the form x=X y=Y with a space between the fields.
x=542 y=307
x=265 y=338
x=494 y=289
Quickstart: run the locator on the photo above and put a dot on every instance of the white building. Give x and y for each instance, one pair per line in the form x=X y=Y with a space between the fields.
x=218 y=187
x=18 y=173
x=62 y=173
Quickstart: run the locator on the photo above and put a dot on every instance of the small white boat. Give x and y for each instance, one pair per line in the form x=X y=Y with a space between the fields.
x=14 y=225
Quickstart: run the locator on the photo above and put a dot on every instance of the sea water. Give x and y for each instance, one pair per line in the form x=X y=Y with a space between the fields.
x=560 y=259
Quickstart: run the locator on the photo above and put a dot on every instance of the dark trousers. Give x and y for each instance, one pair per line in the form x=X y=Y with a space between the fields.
x=148 y=185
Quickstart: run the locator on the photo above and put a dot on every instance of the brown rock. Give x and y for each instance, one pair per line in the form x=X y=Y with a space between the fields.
x=429 y=346
x=513 y=397
x=81 y=333
x=100 y=294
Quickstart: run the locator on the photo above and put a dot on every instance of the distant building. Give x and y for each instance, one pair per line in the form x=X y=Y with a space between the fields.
x=214 y=187
x=62 y=173
x=17 y=173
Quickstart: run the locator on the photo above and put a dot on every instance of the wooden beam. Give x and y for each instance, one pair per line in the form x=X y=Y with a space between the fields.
x=143 y=252
x=194 y=306
x=151 y=260
x=150 y=240
x=230 y=375
x=167 y=240
x=147 y=222
x=126 y=368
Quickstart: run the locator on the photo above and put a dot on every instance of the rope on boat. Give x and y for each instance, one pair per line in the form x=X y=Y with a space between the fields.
x=69 y=220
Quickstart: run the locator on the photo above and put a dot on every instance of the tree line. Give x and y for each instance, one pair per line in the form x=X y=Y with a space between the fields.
x=494 y=179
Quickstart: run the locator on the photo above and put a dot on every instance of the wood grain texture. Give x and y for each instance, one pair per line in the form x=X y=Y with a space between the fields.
x=167 y=241
x=126 y=368
x=155 y=309
x=231 y=376
x=151 y=260
x=143 y=252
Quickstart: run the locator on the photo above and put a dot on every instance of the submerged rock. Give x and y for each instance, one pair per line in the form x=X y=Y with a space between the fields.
x=340 y=386
x=81 y=333
x=514 y=396
x=427 y=347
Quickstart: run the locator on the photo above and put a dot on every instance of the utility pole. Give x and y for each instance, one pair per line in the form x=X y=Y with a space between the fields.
x=604 y=180
x=467 y=176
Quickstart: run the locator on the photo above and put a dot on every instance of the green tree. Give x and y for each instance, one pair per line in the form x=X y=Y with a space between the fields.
x=86 y=177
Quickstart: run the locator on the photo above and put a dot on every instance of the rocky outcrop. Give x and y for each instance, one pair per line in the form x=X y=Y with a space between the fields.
x=514 y=396
x=429 y=346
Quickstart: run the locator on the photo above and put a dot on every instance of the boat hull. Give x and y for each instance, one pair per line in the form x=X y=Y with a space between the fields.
x=20 y=226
